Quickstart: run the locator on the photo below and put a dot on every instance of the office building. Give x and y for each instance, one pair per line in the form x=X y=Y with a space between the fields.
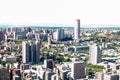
x=94 y=54
x=77 y=30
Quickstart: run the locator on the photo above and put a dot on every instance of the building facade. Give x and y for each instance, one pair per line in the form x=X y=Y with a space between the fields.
x=78 y=70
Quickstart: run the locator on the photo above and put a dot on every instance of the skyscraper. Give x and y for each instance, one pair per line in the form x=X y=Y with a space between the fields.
x=77 y=30
x=30 y=51
x=94 y=54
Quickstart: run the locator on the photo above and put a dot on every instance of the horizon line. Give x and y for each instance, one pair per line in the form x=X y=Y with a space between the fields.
x=60 y=25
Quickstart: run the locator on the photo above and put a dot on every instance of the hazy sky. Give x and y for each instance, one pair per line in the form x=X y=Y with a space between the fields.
x=59 y=11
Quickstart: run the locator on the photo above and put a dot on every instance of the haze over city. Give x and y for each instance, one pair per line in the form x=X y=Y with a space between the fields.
x=59 y=12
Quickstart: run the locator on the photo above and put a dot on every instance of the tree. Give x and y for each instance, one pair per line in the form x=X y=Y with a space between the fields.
x=9 y=53
x=3 y=63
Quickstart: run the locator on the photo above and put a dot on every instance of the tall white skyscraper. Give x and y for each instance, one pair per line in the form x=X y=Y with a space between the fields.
x=94 y=54
x=25 y=52
x=77 y=30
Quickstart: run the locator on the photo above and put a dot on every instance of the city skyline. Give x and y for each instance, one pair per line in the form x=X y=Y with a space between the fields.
x=61 y=12
x=59 y=53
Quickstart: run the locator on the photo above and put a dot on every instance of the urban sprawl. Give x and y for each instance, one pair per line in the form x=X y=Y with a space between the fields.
x=59 y=53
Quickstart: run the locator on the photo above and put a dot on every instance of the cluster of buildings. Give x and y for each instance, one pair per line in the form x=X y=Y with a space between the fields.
x=47 y=71
x=64 y=71
x=21 y=56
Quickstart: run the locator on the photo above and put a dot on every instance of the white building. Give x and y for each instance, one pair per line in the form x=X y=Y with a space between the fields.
x=25 y=52
x=111 y=77
x=77 y=30
x=94 y=54
x=10 y=59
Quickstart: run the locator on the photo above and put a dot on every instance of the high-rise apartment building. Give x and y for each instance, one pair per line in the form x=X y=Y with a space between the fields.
x=94 y=54
x=30 y=51
x=59 y=34
x=25 y=52
x=77 y=70
x=77 y=30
